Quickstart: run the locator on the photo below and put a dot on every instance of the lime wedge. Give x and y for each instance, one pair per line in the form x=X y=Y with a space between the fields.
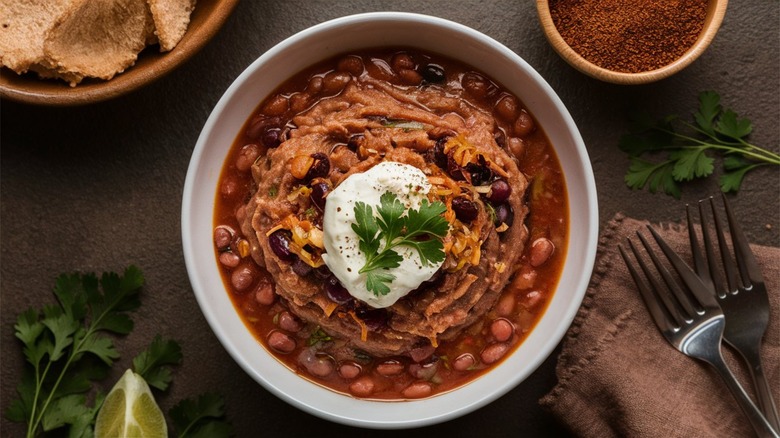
x=129 y=410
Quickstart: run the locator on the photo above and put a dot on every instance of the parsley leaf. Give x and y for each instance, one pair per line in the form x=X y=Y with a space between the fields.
x=686 y=148
x=151 y=363
x=201 y=417
x=422 y=229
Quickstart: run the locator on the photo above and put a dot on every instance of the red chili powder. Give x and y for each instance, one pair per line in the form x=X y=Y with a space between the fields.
x=629 y=36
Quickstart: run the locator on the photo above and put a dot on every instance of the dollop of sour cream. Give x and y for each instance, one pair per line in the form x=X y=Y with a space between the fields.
x=343 y=255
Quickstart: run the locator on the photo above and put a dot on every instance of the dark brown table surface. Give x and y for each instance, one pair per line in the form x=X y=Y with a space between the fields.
x=95 y=188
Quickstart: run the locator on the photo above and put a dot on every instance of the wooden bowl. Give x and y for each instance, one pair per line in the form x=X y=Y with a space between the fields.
x=207 y=18
x=716 y=9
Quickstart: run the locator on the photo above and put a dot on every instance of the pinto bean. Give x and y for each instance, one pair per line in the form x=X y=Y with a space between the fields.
x=390 y=368
x=277 y=106
x=464 y=362
x=516 y=146
x=349 y=370
x=410 y=77
x=362 y=387
x=506 y=305
x=532 y=299
x=247 y=157
x=315 y=85
x=229 y=187
x=402 y=61
x=417 y=390
x=281 y=342
x=507 y=108
x=493 y=352
x=289 y=322
x=334 y=82
x=299 y=102
x=318 y=364
x=242 y=278
x=475 y=85
x=222 y=237
x=502 y=329
x=229 y=259
x=264 y=294
x=524 y=124
x=424 y=371
x=541 y=250
x=351 y=64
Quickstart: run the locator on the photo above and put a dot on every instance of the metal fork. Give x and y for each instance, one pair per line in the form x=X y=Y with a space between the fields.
x=690 y=319
x=745 y=304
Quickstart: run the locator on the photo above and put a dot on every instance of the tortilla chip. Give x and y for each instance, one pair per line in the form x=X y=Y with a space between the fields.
x=97 y=38
x=23 y=26
x=171 y=18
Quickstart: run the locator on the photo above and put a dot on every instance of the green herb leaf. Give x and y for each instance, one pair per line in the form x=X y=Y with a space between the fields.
x=686 y=149
x=422 y=229
x=201 y=417
x=152 y=364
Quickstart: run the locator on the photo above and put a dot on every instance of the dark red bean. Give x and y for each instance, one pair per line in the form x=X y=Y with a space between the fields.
x=229 y=259
x=222 y=237
x=281 y=342
x=402 y=61
x=349 y=370
x=279 y=241
x=507 y=108
x=242 y=278
x=437 y=155
x=390 y=368
x=336 y=292
x=465 y=209
x=417 y=390
x=320 y=167
x=502 y=329
x=375 y=319
x=541 y=250
x=301 y=268
x=290 y=322
x=351 y=64
x=319 y=191
x=424 y=371
x=247 y=156
x=264 y=294
x=272 y=137
x=334 y=82
x=464 y=362
x=319 y=365
x=499 y=191
x=354 y=141
x=261 y=124
x=494 y=352
x=504 y=215
x=480 y=173
x=419 y=354
x=433 y=73
x=410 y=77
x=475 y=85
x=277 y=106
x=362 y=387
x=524 y=124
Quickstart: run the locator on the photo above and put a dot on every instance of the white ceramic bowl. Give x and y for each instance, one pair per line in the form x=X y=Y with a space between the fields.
x=318 y=43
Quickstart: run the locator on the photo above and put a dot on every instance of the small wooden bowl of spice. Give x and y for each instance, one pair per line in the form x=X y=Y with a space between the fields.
x=630 y=42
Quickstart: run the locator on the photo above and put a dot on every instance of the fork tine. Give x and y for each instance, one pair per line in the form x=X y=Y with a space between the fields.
x=709 y=249
x=659 y=313
x=700 y=292
x=729 y=267
x=701 y=266
x=682 y=302
x=748 y=267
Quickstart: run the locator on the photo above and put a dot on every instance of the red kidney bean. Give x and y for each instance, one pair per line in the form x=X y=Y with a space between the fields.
x=264 y=294
x=319 y=365
x=504 y=215
x=475 y=85
x=417 y=390
x=281 y=342
x=320 y=167
x=222 y=237
x=351 y=64
x=336 y=292
x=271 y=137
x=319 y=191
x=247 y=156
x=349 y=370
x=229 y=259
x=362 y=387
x=532 y=299
x=390 y=368
x=524 y=124
x=277 y=106
x=507 y=108
x=242 y=278
x=279 y=241
x=493 y=352
x=334 y=82
x=464 y=362
x=301 y=268
x=541 y=250
x=506 y=305
x=289 y=322
x=502 y=329
x=465 y=209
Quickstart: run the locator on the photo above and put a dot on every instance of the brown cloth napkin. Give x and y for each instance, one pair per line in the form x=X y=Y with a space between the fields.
x=619 y=377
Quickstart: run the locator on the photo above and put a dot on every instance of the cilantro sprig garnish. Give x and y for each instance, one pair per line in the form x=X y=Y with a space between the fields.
x=687 y=147
x=422 y=229
x=68 y=346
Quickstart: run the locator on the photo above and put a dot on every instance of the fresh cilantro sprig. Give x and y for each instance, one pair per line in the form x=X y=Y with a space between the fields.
x=422 y=229
x=687 y=146
x=67 y=347
x=203 y=417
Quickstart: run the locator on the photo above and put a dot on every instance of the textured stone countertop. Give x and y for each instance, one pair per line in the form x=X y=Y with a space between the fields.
x=95 y=188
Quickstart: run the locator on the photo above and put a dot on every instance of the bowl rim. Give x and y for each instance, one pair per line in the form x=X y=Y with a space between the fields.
x=325 y=403
x=150 y=66
x=711 y=26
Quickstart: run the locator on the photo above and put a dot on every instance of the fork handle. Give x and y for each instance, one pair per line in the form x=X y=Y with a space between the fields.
x=763 y=393
x=756 y=418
